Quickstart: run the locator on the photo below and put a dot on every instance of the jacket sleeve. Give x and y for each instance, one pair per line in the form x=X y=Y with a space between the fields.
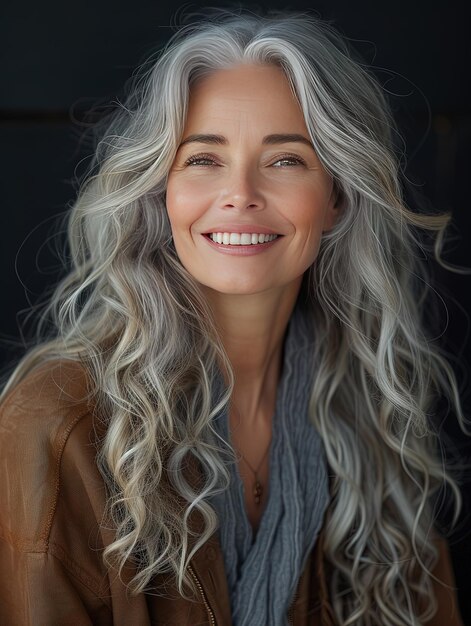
x=37 y=589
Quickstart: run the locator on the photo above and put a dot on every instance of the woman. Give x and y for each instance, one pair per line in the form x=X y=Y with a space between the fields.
x=232 y=421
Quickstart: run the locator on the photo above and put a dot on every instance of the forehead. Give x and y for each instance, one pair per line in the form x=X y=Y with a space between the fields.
x=258 y=94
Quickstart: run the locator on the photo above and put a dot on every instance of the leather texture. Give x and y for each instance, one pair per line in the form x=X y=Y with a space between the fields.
x=51 y=536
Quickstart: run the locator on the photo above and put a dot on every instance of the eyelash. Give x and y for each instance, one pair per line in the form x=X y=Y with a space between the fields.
x=207 y=157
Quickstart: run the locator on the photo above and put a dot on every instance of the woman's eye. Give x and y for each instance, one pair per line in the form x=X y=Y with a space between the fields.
x=289 y=160
x=200 y=159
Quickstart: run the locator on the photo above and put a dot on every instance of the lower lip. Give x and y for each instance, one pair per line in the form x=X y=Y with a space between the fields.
x=249 y=250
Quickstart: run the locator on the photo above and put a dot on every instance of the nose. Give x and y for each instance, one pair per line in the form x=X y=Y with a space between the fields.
x=242 y=190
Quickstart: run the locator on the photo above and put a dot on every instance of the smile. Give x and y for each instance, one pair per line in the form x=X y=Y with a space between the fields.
x=240 y=248
x=241 y=239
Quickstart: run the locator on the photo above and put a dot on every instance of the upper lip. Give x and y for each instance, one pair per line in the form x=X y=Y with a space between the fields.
x=241 y=228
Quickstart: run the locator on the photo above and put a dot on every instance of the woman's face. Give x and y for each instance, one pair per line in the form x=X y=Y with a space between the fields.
x=246 y=165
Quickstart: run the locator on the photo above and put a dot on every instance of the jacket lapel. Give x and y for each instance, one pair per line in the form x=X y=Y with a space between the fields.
x=208 y=562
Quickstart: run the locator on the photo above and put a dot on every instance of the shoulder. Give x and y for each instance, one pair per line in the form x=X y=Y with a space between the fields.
x=38 y=413
x=54 y=384
x=52 y=387
x=46 y=436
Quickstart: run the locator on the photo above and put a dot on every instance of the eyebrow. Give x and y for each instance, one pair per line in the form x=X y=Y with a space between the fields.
x=267 y=140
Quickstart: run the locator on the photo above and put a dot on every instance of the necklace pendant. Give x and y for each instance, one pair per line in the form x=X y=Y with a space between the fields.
x=257 y=492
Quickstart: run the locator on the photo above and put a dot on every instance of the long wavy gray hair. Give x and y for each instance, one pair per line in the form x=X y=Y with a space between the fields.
x=137 y=319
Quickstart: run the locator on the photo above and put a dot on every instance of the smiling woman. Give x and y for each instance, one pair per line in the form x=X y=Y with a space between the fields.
x=233 y=422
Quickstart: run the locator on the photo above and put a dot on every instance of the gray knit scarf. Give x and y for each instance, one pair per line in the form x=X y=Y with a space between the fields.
x=263 y=575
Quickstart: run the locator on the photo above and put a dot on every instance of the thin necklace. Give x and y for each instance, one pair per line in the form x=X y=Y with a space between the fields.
x=257 y=487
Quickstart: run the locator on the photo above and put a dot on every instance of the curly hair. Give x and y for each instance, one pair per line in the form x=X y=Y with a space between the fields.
x=138 y=321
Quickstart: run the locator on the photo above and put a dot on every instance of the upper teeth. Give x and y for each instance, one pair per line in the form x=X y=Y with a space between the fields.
x=241 y=239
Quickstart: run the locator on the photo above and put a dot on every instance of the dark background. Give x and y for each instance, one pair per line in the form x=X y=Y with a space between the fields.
x=59 y=60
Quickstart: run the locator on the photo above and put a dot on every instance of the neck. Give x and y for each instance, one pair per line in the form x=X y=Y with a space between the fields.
x=252 y=329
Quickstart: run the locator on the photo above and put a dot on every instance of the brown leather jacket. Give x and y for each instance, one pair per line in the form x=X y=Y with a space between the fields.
x=52 y=502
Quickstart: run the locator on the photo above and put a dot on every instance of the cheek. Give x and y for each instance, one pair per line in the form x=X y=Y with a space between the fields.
x=184 y=204
x=308 y=218
x=310 y=208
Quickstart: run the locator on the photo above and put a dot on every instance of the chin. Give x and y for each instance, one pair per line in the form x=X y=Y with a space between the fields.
x=235 y=288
